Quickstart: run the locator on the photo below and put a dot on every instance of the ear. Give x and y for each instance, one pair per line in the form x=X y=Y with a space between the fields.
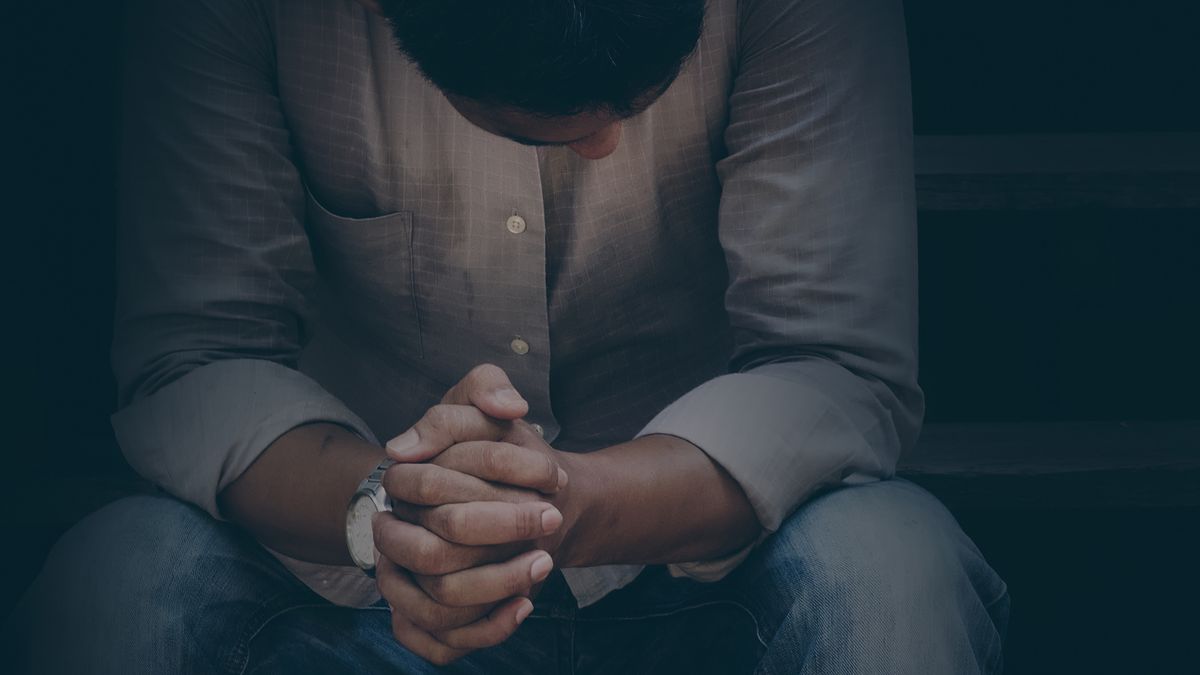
x=372 y=5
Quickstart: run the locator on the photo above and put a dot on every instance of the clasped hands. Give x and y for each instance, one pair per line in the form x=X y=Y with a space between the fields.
x=481 y=509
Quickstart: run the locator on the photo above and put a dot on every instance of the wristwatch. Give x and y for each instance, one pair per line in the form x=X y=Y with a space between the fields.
x=368 y=500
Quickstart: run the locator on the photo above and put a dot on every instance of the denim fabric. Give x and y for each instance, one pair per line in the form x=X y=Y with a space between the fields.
x=874 y=578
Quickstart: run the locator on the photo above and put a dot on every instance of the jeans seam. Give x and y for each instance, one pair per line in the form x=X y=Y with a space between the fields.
x=240 y=650
x=997 y=666
x=1003 y=594
x=686 y=608
x=245 y=644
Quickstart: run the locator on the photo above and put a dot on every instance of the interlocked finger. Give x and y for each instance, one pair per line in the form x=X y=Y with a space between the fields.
x=422 y=643
x=418 y=550
x=524 y=434
x=484 y=523
x=433 y=485
x=497 y=627
x=444 y=425
x=488 y=583
x=405 y=596
x=506 y=463
x=488 y=388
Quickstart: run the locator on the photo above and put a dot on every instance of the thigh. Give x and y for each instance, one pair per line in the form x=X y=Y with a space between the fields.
x=150 y=584
x=876 y=577
x=870 y=578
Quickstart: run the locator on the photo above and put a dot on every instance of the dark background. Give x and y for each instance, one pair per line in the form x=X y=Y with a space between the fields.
x=1086 y=313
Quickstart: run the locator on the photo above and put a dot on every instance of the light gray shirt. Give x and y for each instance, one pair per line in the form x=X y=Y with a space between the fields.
x=309 y=232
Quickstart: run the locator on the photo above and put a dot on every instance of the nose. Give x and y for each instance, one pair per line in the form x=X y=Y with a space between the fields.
x=600 y=144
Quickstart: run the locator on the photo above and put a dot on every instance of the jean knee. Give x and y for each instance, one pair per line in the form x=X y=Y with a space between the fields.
x=887 y=538
x=878 y=563
x=145 y=584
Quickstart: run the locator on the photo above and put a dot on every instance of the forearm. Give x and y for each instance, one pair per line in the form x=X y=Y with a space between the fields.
x=656 y=499
x=293 y=497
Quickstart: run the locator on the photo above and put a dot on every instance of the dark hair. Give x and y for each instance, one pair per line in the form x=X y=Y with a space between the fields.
x=549 y=57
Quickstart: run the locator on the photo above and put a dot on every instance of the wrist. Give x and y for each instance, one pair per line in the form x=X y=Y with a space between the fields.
x=293 y=497
x=582 y=504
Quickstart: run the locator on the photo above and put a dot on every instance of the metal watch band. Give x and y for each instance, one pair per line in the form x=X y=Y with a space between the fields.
x=374 y=479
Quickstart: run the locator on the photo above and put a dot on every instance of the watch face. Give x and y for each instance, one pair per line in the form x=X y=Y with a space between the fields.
x=359 y=537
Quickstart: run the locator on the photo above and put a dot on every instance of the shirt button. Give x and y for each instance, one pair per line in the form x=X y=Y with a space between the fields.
x=516 y=224
x=519 y=346
x=538 y=428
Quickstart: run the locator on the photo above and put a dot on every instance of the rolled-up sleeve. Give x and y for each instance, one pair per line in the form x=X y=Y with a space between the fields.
x=214 y=266
x=818 y=225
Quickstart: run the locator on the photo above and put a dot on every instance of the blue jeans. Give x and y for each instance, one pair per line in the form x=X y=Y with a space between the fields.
x=875 y=578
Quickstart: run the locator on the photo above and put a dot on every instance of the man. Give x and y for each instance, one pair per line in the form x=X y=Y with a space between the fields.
x=629 y=286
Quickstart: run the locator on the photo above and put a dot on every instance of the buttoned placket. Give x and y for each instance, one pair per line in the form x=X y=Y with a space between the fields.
x=528 y=345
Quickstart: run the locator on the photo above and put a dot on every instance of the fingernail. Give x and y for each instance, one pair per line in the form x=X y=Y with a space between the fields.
x=541 y=568
x=551 y=519
x=508 y=396
x=562 y=479
x=400 y=446
x=524 y=610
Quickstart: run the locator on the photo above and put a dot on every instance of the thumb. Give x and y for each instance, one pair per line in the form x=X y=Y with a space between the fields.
x=488 y=388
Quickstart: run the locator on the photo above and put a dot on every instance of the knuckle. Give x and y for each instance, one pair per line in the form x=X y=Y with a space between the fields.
x=386 y=583
x=549 y=470
x=467 y=616
x=401 y=626
x=486 y=372
x=498 y=631
x=493 y=459
x=517 y=581
x=427 y=485
x=400 y=480
x=436 y=619
x=393 y=478
x=425 y=622
x=435 y=587
x=425 y=556
x=525 y=435
x=385 y=537
x=524 y=496
x=461 y=640
x=443 y=559
x=526 y=521
x=516 y=495
x=452 y=522
x=421 y=487
x=429 y=620
x=440 y=415
x=452 y=639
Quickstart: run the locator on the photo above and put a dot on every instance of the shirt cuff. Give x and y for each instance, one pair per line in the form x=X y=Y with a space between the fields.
x=199 y=433
x=716 y=569
x=782 y=431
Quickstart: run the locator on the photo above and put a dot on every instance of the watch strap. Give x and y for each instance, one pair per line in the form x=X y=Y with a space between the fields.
x=371 y=487
x=373 y=483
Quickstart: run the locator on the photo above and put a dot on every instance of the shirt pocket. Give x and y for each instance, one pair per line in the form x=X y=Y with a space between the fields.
x=367 y=284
